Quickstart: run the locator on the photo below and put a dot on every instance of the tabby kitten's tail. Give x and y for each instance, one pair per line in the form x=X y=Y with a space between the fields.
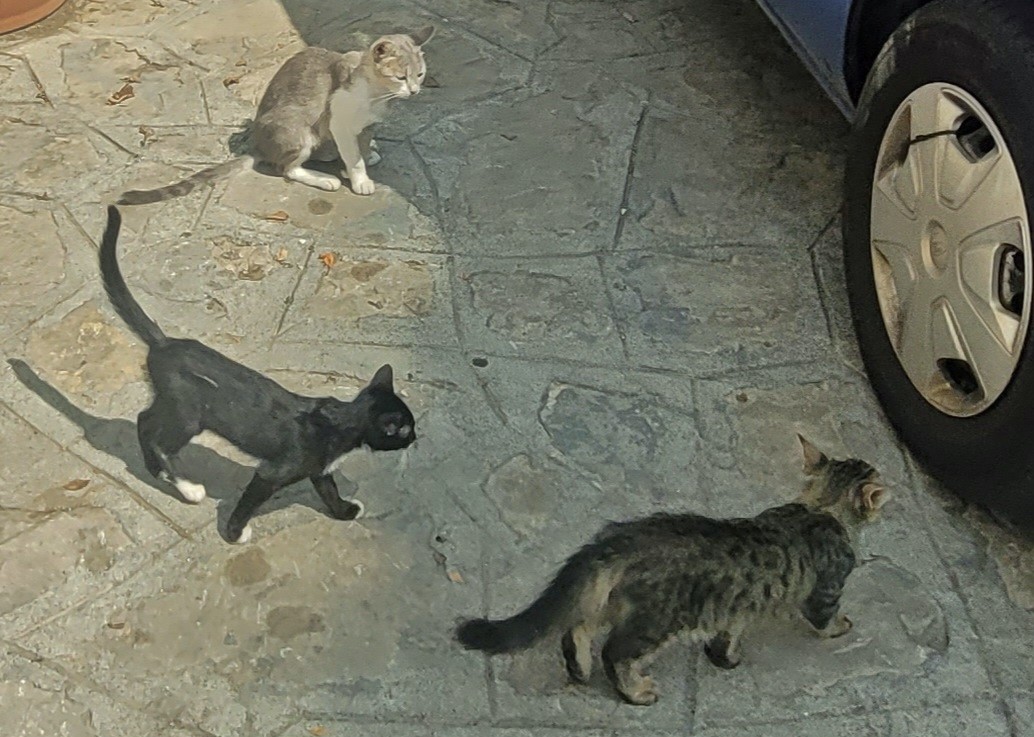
x=185 y=186
x=126 y=307
x=560 y=606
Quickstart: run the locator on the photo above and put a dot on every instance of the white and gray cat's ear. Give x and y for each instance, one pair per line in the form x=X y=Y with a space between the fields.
x=423 y=35
x=814 y=459
x=381 y=48
x=383 y=379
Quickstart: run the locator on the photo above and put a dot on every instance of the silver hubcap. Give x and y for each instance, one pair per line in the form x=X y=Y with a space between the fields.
x=951 y=249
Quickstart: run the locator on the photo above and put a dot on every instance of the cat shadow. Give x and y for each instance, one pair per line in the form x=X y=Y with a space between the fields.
x=223 y=478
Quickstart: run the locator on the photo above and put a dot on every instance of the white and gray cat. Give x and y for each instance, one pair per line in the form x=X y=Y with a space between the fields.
x=319 y=105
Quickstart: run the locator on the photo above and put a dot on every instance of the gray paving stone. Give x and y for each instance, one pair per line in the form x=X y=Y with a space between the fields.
x=706 y=311
x=396 y=299
x=48 y=265
x=508 y=190
x=335 y=728
x=40 y=701
x=525 y=28
x=91 y=75
x=275 y=629
x=537 y=308
x=43 y=143
x=66 y=530
x=971 y=717
x=762 y=191
x=600 y=31
x=977 y=551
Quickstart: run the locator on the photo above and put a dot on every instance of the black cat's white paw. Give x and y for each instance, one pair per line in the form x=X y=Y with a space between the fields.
x=244 y=536
x=354 y=510
x=191 y=492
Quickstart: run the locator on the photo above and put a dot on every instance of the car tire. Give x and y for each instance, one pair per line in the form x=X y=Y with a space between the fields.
x=974 y=433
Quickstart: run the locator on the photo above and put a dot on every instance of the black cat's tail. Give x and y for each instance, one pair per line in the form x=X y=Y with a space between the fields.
x=126 y=307
x=576 y=593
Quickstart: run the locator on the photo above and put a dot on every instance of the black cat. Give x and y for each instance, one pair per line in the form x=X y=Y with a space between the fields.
x=294 y=437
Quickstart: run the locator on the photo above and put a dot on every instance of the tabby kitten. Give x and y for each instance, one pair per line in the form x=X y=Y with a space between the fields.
x=197 y=388
x=319 y=105
x=653 y=578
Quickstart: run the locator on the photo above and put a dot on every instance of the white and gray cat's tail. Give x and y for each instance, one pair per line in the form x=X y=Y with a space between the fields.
x=186 y=186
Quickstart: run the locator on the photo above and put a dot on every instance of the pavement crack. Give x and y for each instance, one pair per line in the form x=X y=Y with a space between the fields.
x=289 y=299
x=113 y=142
x=492 y=400
x=431 y=182
x=816 y=273
x=630 y=174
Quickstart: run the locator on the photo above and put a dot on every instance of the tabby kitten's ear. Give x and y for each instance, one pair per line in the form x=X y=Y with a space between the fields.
x=871 y=497
x=383 y=379
x=814 y=459
x=423 y=35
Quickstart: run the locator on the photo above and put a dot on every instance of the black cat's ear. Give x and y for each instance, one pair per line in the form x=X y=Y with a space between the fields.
x=814 y=459
x=383 y=379
x=423 y=35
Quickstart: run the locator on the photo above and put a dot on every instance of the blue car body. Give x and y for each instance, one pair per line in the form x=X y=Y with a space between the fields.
x=818 y=31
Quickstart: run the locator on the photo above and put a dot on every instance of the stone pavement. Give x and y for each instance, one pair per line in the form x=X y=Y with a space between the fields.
x=603 y=258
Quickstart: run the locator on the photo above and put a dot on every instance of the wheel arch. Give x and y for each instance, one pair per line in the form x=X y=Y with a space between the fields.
x=870 y=23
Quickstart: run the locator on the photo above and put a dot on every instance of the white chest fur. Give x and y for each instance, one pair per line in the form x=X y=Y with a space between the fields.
x=335 y=464
x=352 y=109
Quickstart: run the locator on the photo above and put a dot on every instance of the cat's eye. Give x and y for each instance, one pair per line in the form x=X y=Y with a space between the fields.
x=400 y=77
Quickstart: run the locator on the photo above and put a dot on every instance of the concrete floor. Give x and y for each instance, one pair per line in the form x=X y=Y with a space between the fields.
x=603 y=259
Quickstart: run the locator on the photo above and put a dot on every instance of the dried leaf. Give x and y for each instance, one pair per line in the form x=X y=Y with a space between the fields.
x=629 y=17
x=230 y=81
x=455 y=576
x=117 y=625
x=241 y=63
x=281 y=256
x=317 y=730
x=328 y=259
x=252 y=273
x=122 y=94
x=76 y=484
x=277 y=217
x=147 y=133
